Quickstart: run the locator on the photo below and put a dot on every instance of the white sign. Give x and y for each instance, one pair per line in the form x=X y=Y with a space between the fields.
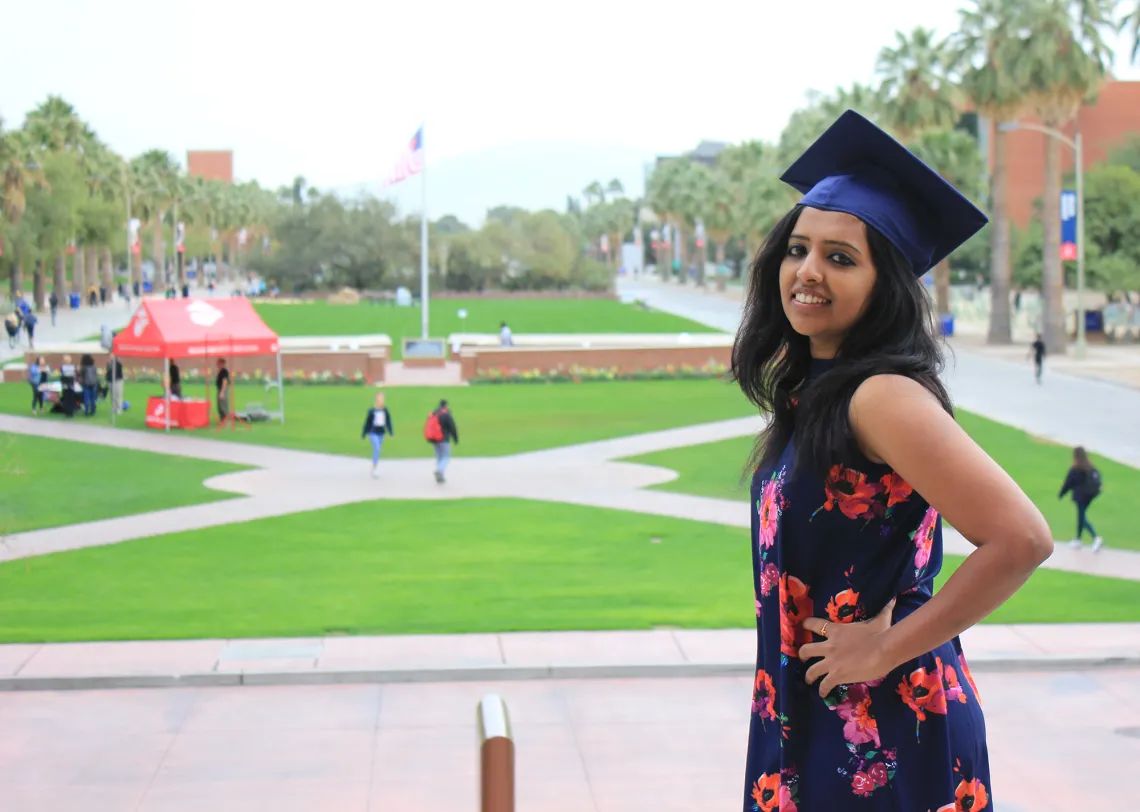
x=462 y=314
x=203 y=314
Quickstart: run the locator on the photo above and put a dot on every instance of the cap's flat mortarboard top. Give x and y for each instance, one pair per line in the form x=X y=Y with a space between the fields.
x=857 y=168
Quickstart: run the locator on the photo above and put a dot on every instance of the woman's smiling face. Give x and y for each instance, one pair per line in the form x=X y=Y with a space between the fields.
x=826 y=278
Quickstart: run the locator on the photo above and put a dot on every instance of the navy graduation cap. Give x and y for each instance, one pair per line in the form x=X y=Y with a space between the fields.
x=857 y=168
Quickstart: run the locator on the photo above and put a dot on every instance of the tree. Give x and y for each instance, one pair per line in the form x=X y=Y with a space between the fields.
x=1066 y=60
x=989 y=51
x=19 y=173
x=1131 y=23
x=809 y=123
x=916 y=89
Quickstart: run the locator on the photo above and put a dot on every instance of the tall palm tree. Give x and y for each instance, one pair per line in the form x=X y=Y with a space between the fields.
x=156 y=172
x=666 y=193
x=955 y=156
x=1067 y=59
x=917 y=91
x=19 y=171
x=1131 y=23
x=989 y=50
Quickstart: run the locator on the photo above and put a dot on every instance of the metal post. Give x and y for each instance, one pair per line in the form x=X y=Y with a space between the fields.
x=130 y=258
x=280 y=386
x=424 y=255
x=166 y=386
x=1082 y=346
x=496 y=756
x=114 y=366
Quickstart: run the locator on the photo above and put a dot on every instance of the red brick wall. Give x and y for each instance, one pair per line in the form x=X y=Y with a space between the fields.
x=1104 y=125
x=212 y=164
x=627 y=359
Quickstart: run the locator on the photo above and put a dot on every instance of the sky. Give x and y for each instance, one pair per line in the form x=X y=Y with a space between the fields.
x=522 y=102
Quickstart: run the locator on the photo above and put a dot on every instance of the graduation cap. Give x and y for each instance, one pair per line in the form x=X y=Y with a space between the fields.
x=857 y=168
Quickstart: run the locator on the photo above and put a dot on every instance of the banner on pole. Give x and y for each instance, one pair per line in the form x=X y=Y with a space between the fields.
x=136 y=242
x=180 y=238
x=1068 y=224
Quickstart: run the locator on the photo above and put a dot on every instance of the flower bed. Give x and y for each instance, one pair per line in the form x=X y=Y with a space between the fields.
x=579 y=374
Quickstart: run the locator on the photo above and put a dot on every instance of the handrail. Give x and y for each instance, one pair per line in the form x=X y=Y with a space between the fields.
x=496 y=755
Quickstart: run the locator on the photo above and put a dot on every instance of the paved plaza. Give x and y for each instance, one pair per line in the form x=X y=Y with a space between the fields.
x=1058 y=742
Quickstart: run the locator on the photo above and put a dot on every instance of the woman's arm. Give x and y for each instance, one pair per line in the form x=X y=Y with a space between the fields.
x=898 y=421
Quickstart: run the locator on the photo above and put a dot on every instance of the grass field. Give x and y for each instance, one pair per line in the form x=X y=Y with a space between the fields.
x=1038 y=466
x=483 y=316
x=413 y=567
x=49 y=483
x=492 y=420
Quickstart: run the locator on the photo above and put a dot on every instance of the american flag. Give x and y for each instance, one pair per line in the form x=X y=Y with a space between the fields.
x=411 y=160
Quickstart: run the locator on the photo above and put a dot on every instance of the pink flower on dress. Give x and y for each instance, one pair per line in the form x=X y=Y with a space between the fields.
x=924 y=538
x=786 y=802
x=769 y=579
x=771 y=504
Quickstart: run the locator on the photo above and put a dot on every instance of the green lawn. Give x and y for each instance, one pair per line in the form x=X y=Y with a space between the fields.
x=48 y=483
x=483 y=316
x=415 y=567
x=1037 y=465
x=492 y=419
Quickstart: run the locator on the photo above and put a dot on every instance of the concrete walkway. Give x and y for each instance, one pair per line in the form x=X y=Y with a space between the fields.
x=71 y=325
x=1066 y=409
x=285 y=481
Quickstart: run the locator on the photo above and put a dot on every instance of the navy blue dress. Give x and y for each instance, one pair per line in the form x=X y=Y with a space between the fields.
x=840 y=549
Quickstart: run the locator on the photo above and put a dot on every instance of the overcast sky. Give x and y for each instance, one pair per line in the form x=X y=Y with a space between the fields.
x=332 y=90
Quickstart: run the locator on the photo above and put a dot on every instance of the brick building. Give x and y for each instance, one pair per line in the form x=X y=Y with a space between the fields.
x=212 y=164
x=1104 y=124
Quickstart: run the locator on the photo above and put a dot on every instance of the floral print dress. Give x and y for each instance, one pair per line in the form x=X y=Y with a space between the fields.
x=840 y=549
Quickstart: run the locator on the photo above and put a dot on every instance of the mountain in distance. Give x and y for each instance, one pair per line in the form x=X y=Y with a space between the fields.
x=532 y=175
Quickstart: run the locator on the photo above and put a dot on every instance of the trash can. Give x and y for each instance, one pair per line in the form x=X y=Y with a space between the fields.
x=73 y=301
x=1094 y=321
x=147 y=287
x=947 y=324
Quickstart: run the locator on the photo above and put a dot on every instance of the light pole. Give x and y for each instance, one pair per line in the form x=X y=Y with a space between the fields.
x=1078 y=158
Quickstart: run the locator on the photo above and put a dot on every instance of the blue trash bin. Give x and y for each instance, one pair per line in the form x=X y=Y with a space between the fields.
x=1094 y=321
x=947 y=324
x=73 y=301
x=147 y=287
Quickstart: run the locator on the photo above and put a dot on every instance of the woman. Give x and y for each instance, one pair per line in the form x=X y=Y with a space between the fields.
x=37 y=374
x=377 y=423
x=862 y=699
x=1083 y=482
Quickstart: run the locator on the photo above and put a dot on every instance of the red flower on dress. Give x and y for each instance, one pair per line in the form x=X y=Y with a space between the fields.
x=897 y=489
x=787 y=803
x=850 y=491
x=954 y=690
x=766 y=792
x=844 y=607
x=795 y=608
x=970 y=796
x=764 y=696
x=878 y=773
x=861 y=784
x=769 y=509
x=922 y=692
x=769 y=578
x=969 y=677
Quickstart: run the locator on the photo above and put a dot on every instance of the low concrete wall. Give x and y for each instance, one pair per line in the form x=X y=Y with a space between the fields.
x=370 y=362
x=476 y=361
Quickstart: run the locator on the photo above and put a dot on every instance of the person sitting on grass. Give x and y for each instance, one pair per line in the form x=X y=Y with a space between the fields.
x=377 y=423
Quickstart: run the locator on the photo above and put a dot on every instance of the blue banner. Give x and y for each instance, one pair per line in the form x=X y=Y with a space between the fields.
x=1068 y=224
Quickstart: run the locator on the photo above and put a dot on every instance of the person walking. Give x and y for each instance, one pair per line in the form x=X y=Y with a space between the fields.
x=53 y=303
x=114 y=377
x=377 y=423
x=222 y=384
x=1037 y=350
x=506 y=339
x=30 y=322
x=441 y=431
x=12 y=326
x=37 y=374
x=862 y=698
x=1083 y=482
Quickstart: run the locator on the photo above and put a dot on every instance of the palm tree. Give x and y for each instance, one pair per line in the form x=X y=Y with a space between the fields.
x=989 y=50
x=156 y=172
x=594 y=193
x=1066 y=60
x=916 y=89
x=619 y=220
x=1131 y=22
x=19 y=171
x=808 y=123
x=955 y=156
x=666 y=193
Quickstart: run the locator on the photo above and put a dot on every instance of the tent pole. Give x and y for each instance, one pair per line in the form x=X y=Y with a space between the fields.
x=113 y=367
x=166 y=386
x=280 y=386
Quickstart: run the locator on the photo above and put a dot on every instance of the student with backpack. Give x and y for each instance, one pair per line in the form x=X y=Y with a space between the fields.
x=440 y=431
x=377 y=423
x=1083 y=482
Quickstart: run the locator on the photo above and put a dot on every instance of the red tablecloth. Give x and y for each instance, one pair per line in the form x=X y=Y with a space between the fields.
x=184 y=414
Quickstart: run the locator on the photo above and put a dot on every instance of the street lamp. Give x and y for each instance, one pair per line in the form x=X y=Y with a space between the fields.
x=1078 y=157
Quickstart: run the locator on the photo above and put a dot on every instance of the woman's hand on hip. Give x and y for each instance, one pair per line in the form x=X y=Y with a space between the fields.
x=850 y=652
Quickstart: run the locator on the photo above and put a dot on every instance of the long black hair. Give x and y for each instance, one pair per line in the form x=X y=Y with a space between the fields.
x=770 y=360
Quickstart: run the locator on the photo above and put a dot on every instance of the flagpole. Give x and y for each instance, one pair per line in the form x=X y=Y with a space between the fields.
x=423 y=245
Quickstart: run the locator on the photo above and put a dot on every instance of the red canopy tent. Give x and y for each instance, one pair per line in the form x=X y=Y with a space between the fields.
x=197 y=328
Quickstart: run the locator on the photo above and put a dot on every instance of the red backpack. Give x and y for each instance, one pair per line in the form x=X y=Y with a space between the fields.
x=433 y=432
